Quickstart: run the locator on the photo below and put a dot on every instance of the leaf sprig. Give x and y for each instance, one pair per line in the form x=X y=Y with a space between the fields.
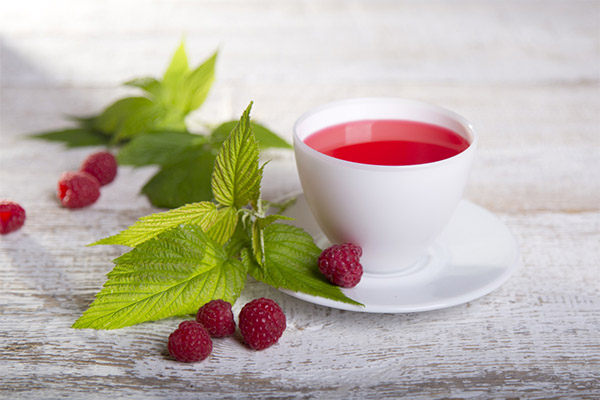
x=187 y=256
x=150 y=129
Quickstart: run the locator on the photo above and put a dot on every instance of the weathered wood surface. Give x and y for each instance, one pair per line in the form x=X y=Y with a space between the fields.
x=527 y=73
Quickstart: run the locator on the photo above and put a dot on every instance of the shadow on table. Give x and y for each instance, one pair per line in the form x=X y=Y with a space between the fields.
x=32 y=98
x=36 y=274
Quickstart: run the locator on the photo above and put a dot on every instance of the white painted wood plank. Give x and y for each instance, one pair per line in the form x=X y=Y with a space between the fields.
x=303 y=41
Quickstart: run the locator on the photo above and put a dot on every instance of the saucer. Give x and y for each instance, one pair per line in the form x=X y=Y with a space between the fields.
x=474 y=255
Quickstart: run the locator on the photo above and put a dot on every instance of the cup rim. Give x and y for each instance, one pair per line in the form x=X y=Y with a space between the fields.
x=351 y=164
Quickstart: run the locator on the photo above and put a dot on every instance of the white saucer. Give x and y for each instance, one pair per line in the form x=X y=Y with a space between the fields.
x=475 y=254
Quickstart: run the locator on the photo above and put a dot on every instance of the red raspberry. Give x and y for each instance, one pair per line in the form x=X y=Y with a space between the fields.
x=262 y=323
x=190 y=342
x=102 y=166
x=217 y=318
x=341 y=264
x=12 y=216
x=77 y=189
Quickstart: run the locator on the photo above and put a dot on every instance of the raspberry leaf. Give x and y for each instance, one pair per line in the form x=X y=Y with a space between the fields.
x=165 y=105
x=224 y=226
x=75 y=137
x=258 y=240
x=176 y=70
x=162 y=148
x=290 y=256
x=148 y=84
x=239 y=242
x=185 y=181
x=237 y=175
x=186 y=90
x=218 y=223
x=170 y=276
x=129 y=117
x=258 y=243
x=265 y=137
x=280 y=206
x=197 y=84
x=269 y=219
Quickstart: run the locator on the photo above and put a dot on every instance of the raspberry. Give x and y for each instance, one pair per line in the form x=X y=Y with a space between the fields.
x=102 y=166
x=77 y=189
x=262 y=323
x=341 y=264
x=12 y=216
x=217 y=318
x=190 y=342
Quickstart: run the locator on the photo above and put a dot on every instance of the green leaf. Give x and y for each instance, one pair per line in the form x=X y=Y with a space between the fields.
x=236 y=176
x=258 y=243
x=177 y=69
x=172 y=275
x=268 y=220
x=185 y=181
x=224 y=226
x=148 y=84
x=75 y=137
x=161 y=148
x=185 y=90
x=291 y=263
x=84 y=122
x=265 y=137
x=172 y=120
x=280 y=206
x=197 y=84
x=240 y=240
x=129 y=117
x=219 y=223
x=165 y=107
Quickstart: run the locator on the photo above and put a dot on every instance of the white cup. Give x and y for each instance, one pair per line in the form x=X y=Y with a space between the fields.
x=393 y=212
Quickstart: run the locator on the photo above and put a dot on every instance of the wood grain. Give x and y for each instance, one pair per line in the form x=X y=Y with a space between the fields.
x=526 y=73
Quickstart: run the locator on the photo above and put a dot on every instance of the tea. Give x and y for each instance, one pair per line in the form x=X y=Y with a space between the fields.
x=387 y=142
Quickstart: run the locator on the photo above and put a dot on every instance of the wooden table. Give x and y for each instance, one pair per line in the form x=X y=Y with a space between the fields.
x=526 y=73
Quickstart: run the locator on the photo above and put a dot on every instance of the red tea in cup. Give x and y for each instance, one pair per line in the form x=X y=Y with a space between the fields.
x=387 y=142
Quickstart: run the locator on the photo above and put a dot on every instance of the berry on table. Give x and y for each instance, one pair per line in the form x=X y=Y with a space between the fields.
x=102 y=166
x=77 y=189
x=341 y=264
x=190 y=342
x=12 y=216
x=217 y=318
x=262 y=323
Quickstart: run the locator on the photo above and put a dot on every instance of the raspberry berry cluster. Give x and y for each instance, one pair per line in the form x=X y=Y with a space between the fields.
x=341 y=264
x=261 y=323
x=77 y=189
